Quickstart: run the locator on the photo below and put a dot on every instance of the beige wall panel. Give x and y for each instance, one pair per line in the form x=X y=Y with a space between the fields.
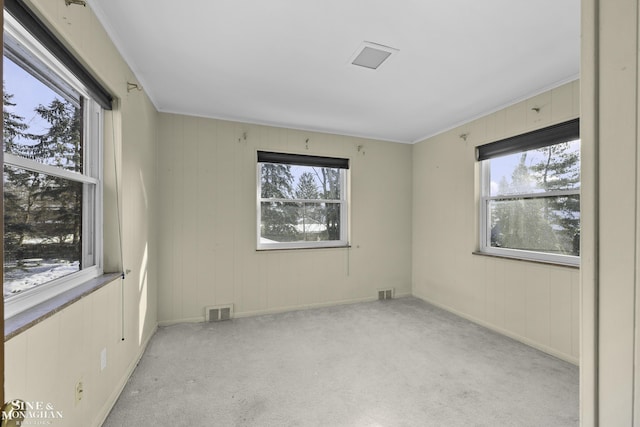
x=516 y=118
x=588 y=285
x=206 y=214
x=617 y=199
x=476 y=132
x=495 y=294
x=576 y=326
x=191 y=193
x=277 y=280
x=496 y=125
x=112 y=150
x=576 y=98
x=472 y=285
x=515 y=299
x=253 y=291
x=177 y=238
x=74 y=347
x=278 y=276
x=511 y=296
x=139 y=209
x=224 y=277
x=78 y=21
x=43 y=360
x=224 y=195
x=539 y=109
x=562 y=103
x=103 y=319
x=536 y=282
x=166 y=173
x=561 y=310
x=16 y=367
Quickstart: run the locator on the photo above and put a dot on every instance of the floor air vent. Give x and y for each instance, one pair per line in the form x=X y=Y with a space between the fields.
x=385 y=294
x=218 y=313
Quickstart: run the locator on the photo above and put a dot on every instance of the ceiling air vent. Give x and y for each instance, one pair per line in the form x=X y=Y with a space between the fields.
x=372 y=55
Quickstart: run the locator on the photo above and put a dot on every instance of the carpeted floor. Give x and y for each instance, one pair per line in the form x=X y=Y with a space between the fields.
x=391 y=363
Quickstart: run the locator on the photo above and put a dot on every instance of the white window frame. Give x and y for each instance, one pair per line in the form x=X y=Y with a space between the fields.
x=344 y=216
x=92 y=233
x=485 y=221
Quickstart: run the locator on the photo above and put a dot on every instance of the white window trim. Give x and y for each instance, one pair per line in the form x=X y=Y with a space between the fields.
x=344 y=217
x=485 y=226
x=93 y=174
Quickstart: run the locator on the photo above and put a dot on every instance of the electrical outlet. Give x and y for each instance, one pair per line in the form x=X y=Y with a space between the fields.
x=103 y=359
x=79 y=391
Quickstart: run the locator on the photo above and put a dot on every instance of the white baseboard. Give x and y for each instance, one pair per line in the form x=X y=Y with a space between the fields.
x=284 y=309
x=553 y=352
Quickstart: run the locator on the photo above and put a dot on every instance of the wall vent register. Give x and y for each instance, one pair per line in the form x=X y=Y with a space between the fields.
x=219 y=313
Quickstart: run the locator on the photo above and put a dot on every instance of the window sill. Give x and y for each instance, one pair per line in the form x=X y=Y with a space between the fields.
x=557 y=264
x=303 y=248
x=22 y=321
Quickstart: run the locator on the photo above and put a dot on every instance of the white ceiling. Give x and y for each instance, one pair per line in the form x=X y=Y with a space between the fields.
x=286 y=62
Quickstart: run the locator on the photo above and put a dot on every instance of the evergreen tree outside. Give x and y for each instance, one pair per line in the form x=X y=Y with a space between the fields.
x=43 y=213
x=314 y=210
x=278 y=218
x=560 y=170
x=544 y=224
x=14 y=126
x=330 y=190
x=61 y=145
x=310 y=212
x=307 y=187
x=16 y=216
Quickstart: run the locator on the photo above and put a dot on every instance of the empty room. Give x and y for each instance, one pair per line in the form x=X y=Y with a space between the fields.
x=320 y=213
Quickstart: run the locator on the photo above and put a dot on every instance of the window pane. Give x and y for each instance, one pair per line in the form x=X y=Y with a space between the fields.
x=551 y=168
x=296 y=222
x=40 y=121
x=544 y=224
x=42 y=230
x=280 y=181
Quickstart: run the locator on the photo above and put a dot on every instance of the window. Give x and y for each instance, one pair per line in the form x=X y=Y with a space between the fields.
x=302 y=201
x=52 y=169
x=530 y=195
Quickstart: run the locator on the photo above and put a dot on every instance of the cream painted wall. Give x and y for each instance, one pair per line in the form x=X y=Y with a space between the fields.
x=45 y=362
x=207 y=245
x=610 y=384
x=534 y=303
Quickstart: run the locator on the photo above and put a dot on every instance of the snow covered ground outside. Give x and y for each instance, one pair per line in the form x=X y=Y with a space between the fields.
x=35 y=273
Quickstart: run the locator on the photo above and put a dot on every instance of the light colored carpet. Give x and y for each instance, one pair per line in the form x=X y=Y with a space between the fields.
x=390 y=363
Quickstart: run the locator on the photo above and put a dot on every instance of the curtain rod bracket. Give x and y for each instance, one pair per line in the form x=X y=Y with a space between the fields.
x=82 y=3
x=132 y=86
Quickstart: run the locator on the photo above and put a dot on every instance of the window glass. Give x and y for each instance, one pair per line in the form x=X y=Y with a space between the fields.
x=556 y=167
x=530 y=204
x=541 y=224
x=301 y=204
x=52 y=199
x=43 y=229
x=39 y=123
